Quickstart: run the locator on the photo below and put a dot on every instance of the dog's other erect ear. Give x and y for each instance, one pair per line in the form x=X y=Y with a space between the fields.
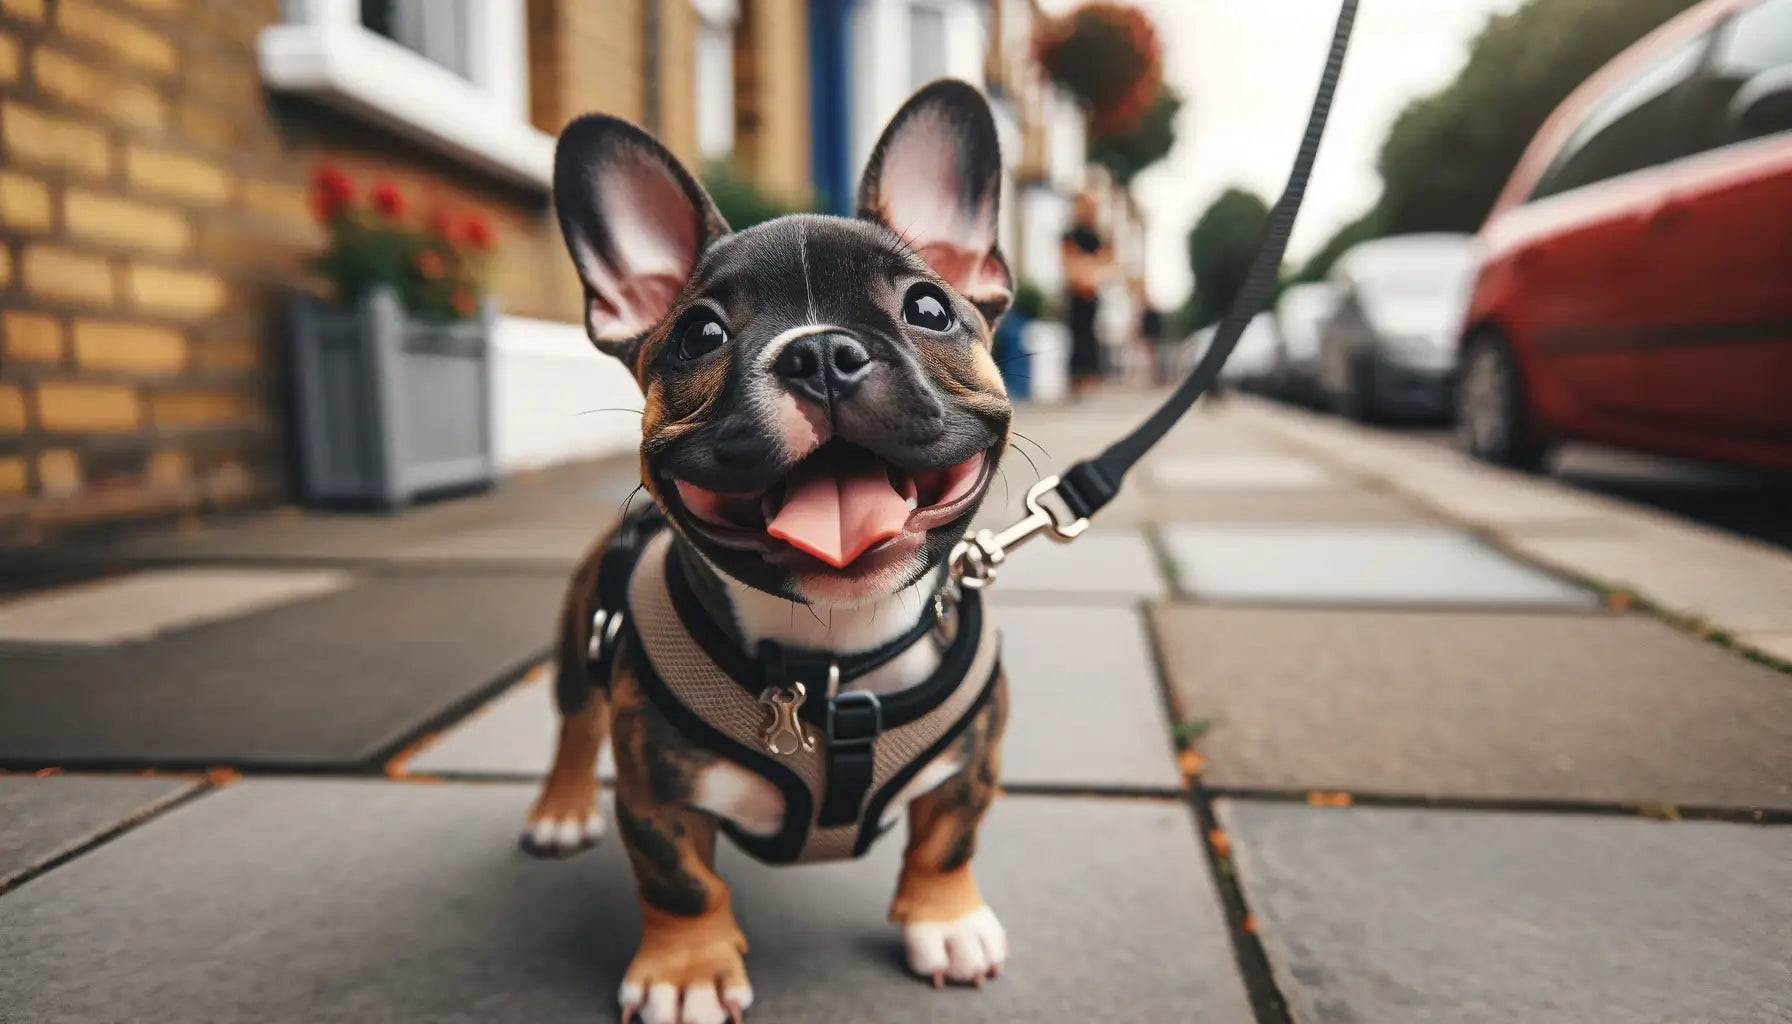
x=635 y=222
x=936 y=179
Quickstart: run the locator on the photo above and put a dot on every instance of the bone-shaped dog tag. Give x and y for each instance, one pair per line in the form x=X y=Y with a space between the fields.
x=784 y=734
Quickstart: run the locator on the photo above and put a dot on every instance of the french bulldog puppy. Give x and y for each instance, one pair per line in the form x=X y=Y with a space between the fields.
x=822 y=419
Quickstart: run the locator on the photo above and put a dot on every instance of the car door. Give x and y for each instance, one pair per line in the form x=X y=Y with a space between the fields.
x=1576 y=244
x=1716 y=355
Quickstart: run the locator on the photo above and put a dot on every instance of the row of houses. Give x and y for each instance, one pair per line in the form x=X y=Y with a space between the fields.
x=155 y=154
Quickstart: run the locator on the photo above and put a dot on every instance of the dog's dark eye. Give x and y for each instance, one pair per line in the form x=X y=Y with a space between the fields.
x=699 y=338
x=928 y=308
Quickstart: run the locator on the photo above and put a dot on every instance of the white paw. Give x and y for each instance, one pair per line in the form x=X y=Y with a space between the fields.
x=967 y=950
x=664 y=1003
x=563 y=836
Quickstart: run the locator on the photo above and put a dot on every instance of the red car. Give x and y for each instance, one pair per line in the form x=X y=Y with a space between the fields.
x=1635 y=287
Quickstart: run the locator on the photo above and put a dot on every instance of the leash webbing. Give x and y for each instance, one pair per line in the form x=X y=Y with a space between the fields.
x=1090 y=484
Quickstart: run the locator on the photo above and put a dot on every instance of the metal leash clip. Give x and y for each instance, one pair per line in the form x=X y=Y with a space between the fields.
x=976 y=558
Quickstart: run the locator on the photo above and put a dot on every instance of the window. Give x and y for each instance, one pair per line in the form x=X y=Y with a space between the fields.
x=926 y=44
x=1747 y=92
x=434 y=29
x=1631 y=128
x=450 y=74
x=715 y=77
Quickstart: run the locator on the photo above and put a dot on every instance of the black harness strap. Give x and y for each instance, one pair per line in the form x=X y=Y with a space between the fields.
x=1089 y=485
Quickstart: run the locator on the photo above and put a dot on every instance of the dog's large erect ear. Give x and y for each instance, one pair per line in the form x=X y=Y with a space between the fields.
x=635 y=222
x=936 y=179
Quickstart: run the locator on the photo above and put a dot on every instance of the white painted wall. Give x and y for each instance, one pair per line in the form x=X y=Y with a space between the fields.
x=545 y=377
x=1047 y=215
x=881 y=77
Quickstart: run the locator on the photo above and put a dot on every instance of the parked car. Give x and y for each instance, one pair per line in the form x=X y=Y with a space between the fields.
x=1388 y=349
x=1299 y=314
x=1252 y=359
x=1636 y=277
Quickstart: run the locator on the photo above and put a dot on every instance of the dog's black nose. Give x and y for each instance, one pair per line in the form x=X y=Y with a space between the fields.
x=824 y=368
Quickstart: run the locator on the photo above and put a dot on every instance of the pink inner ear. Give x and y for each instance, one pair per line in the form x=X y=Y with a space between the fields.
x=919 y=187
x=654 y=238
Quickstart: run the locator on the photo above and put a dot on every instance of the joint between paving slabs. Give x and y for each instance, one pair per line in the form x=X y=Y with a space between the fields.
x=203 y=786
x=1644 y=809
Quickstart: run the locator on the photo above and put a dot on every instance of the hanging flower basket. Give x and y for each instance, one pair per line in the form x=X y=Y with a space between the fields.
x=1108 y=56
x=1146 y=141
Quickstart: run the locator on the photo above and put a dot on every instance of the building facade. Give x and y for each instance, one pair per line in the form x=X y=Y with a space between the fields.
x=154 y=160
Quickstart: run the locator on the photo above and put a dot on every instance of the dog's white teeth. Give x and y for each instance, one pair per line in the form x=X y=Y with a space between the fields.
x=912 y=502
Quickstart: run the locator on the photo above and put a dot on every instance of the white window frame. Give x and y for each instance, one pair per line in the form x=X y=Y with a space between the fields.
x=716 y=20
x=320 y=49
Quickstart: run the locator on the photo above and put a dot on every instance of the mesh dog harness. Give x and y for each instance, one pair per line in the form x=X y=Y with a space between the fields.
x=839 y=756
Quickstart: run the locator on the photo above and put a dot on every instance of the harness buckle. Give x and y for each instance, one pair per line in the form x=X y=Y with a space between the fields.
x=852 y=703
x=976 y=558
x=604 y=627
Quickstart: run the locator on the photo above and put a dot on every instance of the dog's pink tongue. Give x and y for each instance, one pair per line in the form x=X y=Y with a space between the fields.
x=836 y=512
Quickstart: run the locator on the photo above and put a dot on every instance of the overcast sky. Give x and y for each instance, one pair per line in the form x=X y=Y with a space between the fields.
x=1247 y=69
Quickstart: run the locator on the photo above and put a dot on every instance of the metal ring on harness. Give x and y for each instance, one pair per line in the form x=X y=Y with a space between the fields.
x=605 y=625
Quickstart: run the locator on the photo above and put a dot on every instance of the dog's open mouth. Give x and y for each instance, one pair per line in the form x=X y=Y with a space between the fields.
x=838 y=503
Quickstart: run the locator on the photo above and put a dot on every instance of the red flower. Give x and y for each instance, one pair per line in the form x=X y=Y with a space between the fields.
x=332 y=192
x=431 y=265
x=463 y=302
x=476 y=232
x=388 y=199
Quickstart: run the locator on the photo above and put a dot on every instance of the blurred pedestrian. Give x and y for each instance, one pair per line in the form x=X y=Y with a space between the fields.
x=1087 y=257
x=1153 y=340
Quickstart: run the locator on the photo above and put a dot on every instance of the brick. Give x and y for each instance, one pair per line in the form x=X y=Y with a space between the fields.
x=160 y=6
x=36 y=137
x=24 y=10
x=9 y=58
x=205 y=125
x=200 y=409
x=177 y=174
x=229 y=356
x=24 y=202
x=5 y=266
x=129 y=348
x=130 y=39
x=175 y=292
x=278 y=200
x=12 y=476
x=125 y=222
x=66 y=407
x=12 y=410
x=59 y=473
x=31 y=337
x=56 y=273
x=80 y=82
x=168 y=469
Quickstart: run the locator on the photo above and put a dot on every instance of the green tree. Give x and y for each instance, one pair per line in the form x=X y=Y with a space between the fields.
x=1220 y=249
x=1448 y=155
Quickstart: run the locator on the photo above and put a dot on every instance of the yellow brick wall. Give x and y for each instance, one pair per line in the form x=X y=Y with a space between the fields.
x=155 y=226
x=771 y=93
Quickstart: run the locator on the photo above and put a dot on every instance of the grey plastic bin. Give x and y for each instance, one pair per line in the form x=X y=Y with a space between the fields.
x=387 y=408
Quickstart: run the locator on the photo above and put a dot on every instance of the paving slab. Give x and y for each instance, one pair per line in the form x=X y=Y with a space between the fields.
x=334 y=681
x=141 y=605
x=1287 y=505
x=43 y=818
x=323 y=901
x=1357 y=564
x=1112 y=564
x=1086 y=710
x=1403 y=916
x=1487 y=706
x=1248 y=472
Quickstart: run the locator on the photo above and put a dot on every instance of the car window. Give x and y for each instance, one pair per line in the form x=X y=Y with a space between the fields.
x=1630 y=129
x=1746 y=91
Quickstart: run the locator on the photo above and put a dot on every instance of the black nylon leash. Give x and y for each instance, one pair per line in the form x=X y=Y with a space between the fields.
x=1086 y=487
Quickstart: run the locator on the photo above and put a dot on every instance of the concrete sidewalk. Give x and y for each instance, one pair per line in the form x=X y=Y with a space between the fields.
x=1443 y=773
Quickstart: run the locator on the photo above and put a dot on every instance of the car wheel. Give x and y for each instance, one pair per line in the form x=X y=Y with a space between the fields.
x=1357 y=403
x=1492 y=413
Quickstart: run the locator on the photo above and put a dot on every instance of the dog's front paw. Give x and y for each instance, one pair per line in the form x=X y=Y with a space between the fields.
x=966 y=950
x=564 y=821
x=703 y=985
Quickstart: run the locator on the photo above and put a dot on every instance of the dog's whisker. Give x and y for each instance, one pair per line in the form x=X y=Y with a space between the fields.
x=588 y=412
x=1042 y=449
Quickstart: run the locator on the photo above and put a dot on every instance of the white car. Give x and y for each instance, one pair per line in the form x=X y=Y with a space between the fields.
x=1300 y=313
x=1389 y=347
